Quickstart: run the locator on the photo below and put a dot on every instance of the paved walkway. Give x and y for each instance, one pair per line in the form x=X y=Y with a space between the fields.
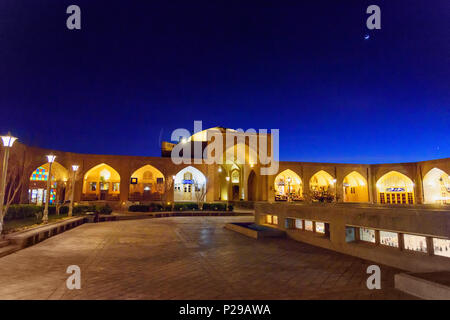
x=184 y=258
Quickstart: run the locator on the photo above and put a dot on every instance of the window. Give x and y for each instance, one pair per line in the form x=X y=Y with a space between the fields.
x=367 y=235
x=415 y=243
x=104 y=186
x=308 y=225
x=382 y=200
x=93 y=186
x=350 y=234
x=298 y=223
x=147 y=175
x=39 y=175
x=441 y=247
x=389 y=238
x=235 y=176
x=116 y=186
x=159 y=180
x=270 y=219
x=320 y=227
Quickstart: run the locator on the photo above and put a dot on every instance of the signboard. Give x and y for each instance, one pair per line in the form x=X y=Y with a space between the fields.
x=395 y=189
x=133 y=180
x=187 y=181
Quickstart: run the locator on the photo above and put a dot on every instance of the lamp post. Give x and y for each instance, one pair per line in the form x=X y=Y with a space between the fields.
x=50 y=158
x=8 y=141
x=72 y=191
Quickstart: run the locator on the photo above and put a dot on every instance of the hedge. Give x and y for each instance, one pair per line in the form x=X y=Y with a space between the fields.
x=23 y=211
x=185 y=206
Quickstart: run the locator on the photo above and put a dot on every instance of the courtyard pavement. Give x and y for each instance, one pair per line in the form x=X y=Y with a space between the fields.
x=184 y=258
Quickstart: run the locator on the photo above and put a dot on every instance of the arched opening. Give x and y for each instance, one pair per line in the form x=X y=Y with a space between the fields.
x=146 y=184
x=37 y=191
x=101 y=182
x=189 y=185
x=355 y=188
x=436 y=187
x=395 y=188
x=288 y=186
x=322 y=186
x=251 y=186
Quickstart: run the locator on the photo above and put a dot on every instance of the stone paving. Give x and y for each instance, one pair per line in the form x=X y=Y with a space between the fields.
x=184 y=258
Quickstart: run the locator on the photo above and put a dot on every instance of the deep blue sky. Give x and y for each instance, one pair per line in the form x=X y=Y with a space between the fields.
x=139 y=69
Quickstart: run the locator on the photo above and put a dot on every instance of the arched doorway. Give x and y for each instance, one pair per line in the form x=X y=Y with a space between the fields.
x=101 y=182
x=146 y=184
x=436 y=187
x=288 y=186
x=322 y=187
x=395 y=188
x=251 y=186
x=37 y=191
x=189 y=185
x=355 y=188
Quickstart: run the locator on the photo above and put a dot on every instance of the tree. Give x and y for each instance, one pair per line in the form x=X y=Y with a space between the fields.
x=200 y=194
x=14 y=181
x=166 y=190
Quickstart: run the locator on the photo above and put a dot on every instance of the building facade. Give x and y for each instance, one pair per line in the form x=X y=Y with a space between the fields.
x=124 y=180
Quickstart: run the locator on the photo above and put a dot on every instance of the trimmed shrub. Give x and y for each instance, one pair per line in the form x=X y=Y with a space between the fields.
x=185 y=206
x=139 y=208
x=64 y=210
x=22 y=211
x=230 y=207
x=83 y=209
x=106 y=209
x=214 y=207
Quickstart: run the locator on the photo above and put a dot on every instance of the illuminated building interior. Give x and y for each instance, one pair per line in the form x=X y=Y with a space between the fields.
x=38 y=184
x=189 y=184
x=321 y=181
x=288 y=186
x=101 y=182
x=146 y=184
x=355 y=188
x=436 y=187
x=395 y=188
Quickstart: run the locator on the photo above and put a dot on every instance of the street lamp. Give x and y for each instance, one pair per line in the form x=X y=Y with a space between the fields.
x=74 y=169
x=51 y=159
x=8 y=141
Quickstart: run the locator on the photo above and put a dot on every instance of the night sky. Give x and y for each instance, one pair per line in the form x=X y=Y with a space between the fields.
x=139 y=69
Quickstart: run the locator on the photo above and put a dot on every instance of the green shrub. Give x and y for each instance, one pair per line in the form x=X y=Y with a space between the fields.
x=22 y=211
x=64 y=210
x=185 y=206
x=230 y=207
x=106 y=209
x=214 y=207
x=80 y=209
x=139 y=208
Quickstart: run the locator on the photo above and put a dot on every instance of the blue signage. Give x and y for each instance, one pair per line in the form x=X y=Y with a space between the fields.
x=395 y=189
x=187 y=182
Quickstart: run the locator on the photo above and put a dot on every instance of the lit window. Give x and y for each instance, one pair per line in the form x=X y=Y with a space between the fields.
x=269 y=219
x=275 y=220
x=350 y=234
x=93 y=186
x=367 y=235
x=415 y=243
x=308 y=225
x=39 y=175
x=299 y=223
x=116 y=186
x=389 y=239
x=441 y=247
x=320 y=227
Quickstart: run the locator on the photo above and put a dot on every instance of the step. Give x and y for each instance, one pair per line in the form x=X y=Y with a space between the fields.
x=8 y=250
x=430 y=286
x=4 y=243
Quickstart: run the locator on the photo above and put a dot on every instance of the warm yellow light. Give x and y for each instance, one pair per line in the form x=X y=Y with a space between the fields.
x=227 y=178
x=220 y=169
x=8 y=140
x=51 y=158
x=75 y=167
x=183 y=140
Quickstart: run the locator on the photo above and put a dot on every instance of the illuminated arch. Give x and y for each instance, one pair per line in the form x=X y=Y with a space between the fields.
x=321 y=181
x=38 y=183
x=189 y=189
x=101 y=182
x=147 y=183
x=288 y=186
x=355 y=188
x=395 y=188
x=436 y=187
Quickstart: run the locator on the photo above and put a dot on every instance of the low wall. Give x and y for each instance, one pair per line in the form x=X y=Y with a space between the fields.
x=428 y=222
